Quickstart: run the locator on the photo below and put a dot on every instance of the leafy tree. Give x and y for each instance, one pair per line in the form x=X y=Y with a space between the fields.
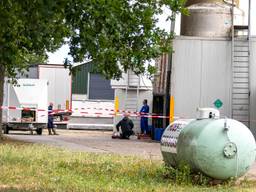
x=117 y=34
x=28 y=29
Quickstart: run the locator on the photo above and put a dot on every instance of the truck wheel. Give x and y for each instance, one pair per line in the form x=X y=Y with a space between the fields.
x=39 y=131
x=6 y=130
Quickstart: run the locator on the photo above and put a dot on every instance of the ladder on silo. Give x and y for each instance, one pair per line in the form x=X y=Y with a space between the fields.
x=240 y=76
x=132 y=92
x=241 y=70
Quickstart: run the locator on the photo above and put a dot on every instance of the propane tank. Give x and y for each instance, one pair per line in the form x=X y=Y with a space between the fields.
x=220 y=148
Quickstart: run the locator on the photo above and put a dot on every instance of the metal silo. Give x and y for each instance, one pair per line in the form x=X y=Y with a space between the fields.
x=210 y=18
x=191 y=2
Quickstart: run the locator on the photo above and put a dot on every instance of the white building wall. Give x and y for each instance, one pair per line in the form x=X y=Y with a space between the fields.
x=59 y=84
x=202 y=73
x=253 y=86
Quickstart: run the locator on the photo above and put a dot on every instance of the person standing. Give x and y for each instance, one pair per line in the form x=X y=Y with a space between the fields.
x=50 y=124
x=144 y=120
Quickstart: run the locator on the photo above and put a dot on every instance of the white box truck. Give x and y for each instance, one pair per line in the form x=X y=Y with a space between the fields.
x=59 y=88
x=25 y=105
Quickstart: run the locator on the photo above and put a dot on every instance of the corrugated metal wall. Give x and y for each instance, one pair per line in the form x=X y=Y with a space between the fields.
x=253 y=86
x=80 y=79
x=87 y=82
x=202 y=73
x=159 y=84
x=99 y=88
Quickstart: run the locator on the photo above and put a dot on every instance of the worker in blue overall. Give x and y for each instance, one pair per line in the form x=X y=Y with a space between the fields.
x=50 y=124
x=144 y=120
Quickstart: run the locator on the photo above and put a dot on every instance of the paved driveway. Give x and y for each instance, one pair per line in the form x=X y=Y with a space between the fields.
x=101 y=142
x=93 y=141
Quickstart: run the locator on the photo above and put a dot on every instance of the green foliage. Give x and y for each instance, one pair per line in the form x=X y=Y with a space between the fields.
x=183 y=175
x=117 y=34
x=177 y=6
x=28 y=29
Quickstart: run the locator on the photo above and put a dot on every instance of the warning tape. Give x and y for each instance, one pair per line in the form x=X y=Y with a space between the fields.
x=83 y=112
x=51 y=112
x=98 y=114
x=118 y=111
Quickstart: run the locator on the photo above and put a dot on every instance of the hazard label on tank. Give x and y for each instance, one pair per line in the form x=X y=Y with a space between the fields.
x=171 y=134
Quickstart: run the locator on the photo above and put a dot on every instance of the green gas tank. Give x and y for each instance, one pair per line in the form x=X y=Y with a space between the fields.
x=220 y=148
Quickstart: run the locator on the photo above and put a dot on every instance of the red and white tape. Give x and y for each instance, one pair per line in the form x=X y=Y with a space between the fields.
x=83 y=112
x=74 y=110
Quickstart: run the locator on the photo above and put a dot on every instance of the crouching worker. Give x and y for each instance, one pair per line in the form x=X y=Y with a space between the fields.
x=126 y=125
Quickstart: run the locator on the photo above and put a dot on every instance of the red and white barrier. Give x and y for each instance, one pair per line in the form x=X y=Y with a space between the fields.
x=85 y=112
x=89 y=111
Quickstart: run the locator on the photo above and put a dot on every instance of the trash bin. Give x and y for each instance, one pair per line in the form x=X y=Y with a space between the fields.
x=158 y=132
x=150 y=129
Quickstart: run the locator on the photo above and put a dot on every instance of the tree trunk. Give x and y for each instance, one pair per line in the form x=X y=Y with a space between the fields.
x=2 y=72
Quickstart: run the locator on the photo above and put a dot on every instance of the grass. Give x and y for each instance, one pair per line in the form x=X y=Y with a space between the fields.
x=34 y=167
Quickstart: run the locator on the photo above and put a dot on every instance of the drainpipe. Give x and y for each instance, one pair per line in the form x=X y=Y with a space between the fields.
x=168 y=76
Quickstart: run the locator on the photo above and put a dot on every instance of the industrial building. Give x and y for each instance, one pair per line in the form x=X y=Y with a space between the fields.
x=212 y=65
x=91 y=90
x=85 y=89
x=92 y=94
x=86 y=84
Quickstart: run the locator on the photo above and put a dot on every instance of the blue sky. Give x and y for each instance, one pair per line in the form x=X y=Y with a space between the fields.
x=59 y=56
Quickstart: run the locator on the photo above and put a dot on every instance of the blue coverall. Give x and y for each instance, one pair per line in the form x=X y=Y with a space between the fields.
x=50 y=118
x=144 y=120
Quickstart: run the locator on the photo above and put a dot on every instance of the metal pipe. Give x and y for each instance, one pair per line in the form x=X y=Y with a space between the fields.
x=232 y=55
x=249 y=55
x=168 y=77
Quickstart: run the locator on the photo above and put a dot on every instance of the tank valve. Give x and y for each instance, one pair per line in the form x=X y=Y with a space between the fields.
x=226 y=127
